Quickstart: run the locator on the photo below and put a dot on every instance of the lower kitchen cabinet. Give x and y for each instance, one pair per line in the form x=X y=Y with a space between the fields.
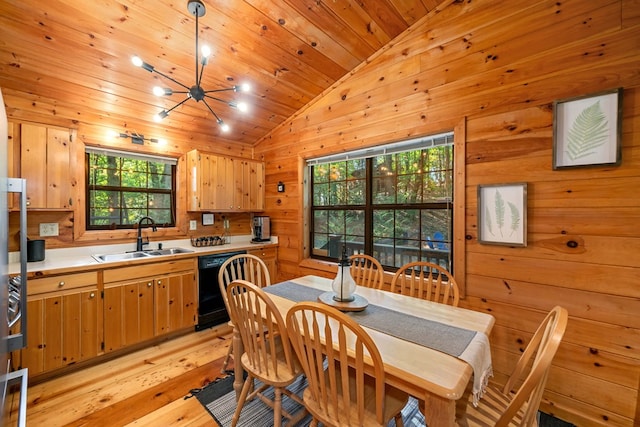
x=128 y=313
x=64 y=321
x=270 y=258
x=147 y=301
x=176 y=303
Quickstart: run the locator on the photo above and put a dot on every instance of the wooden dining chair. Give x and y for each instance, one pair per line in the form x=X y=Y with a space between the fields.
x=241 y=267
x=422 y=279
x=345 y=375
x=268 y=357
x=513 y=405
x=367 y=271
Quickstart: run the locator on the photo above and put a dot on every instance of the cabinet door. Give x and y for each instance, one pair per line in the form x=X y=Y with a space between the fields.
x=201 y=176
x=240 y=185
x=128 y=314
x=63 y=329
x=222 y=178
x=58 y=169
x=33 y=353
x=270 y=258
x=175 y=303
x=45 y=162
x=13 y=158
x=218 y=183
x=33 y=164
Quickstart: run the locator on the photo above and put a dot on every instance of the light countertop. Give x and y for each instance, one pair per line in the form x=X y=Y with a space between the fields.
x=79 y=257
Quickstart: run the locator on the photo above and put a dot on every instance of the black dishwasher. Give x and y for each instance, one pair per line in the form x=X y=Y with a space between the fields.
x=211 y=308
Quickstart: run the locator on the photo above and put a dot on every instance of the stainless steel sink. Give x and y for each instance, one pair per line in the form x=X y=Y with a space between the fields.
x=169 y=251
x=123 y=256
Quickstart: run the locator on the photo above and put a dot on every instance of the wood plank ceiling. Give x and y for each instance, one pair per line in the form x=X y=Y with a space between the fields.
x=74 y=57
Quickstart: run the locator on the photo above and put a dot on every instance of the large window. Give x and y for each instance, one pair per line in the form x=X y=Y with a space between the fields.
x=393 y=202
x=123 y=187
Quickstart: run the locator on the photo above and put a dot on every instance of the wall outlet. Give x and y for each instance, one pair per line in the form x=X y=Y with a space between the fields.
x=49 y=229
x=193 y=224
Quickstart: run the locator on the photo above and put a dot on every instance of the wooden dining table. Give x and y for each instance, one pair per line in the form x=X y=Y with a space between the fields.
x=433 y=377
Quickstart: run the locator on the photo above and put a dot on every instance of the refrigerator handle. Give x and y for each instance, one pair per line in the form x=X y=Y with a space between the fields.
x=19 y=340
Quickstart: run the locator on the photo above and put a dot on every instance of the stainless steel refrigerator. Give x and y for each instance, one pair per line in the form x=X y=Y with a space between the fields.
x=13 y=293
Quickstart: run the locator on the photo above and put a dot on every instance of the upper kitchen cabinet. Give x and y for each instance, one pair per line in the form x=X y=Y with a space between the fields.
x=45 y=162
x=224 y=184
x=13 y=150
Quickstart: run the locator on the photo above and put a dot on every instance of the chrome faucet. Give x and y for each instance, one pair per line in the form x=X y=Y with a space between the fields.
x=139 y=243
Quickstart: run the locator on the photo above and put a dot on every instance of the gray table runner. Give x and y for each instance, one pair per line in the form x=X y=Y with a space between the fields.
x=438 y=336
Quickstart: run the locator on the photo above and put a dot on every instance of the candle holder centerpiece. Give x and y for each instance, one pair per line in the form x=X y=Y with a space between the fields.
x=343 y=296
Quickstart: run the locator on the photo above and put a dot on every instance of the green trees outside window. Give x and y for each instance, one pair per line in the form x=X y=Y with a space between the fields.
x=121 y=190
x=395 y=207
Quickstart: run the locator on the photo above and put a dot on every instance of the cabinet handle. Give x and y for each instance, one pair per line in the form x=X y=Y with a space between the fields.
x=92 y=295
x=149 y=285
x=61 y=283
x=159 y=282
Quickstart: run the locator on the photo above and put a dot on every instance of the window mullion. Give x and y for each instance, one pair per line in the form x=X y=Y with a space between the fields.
x=368 y=208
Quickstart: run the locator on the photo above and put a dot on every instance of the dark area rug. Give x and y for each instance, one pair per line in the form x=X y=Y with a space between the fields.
x=219 y=399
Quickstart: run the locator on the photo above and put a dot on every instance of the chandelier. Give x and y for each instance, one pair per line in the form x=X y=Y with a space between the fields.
x=196 y=8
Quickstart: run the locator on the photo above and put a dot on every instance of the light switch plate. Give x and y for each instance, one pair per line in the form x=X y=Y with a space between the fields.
x=193 y=225
x=49 y=229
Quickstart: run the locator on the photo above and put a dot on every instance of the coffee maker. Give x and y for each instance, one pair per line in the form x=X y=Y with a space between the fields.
x=261 y=229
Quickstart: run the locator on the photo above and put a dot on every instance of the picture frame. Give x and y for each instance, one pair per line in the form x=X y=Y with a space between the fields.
x=502 y=214
x=587 y=130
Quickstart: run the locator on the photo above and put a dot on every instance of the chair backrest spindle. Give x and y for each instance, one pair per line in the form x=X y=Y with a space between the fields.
x=428 y=281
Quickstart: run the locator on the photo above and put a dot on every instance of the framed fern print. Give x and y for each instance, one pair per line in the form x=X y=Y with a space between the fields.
x=502 y=214
x=587 y=130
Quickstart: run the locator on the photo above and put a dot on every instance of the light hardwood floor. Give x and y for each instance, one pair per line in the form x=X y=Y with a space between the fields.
x=145 y=388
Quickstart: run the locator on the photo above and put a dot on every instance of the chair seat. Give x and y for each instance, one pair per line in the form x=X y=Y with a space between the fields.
x=284 y=376
x=492 y=405
x=394 y=401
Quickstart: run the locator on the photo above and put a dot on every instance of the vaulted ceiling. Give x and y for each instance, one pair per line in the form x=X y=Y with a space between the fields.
x=72 y=58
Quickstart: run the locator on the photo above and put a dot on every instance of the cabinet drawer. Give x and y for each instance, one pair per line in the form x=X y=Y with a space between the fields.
x=264 y=252
x=149 y=270
x=60 y=283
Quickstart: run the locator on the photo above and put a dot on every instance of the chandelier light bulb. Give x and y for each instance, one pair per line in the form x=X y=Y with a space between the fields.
x=196 y=91
x=223 y=126
x=243 y=107
x=161 y=115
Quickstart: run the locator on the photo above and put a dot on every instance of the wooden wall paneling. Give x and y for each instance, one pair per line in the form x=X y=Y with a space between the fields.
x=613 y=280
x=630 y=13
x=605 y=395
x=580 y=413
x=614 y=309
x=592 y=335
x=504 y=78
x=610 y=397
x=598 y=363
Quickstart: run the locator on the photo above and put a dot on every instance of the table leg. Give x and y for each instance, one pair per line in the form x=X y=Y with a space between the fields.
x=238 y=371
x=461 y=406
x=438 y=411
